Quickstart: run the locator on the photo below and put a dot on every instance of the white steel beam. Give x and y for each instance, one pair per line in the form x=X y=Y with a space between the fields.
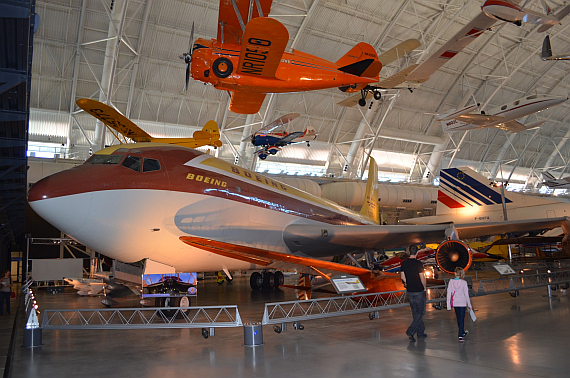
x=75 y=75
x=111 y=54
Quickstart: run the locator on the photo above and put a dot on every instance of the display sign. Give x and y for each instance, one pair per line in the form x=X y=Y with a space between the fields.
x=185 y=283
x=346 y=284
x=504 y=269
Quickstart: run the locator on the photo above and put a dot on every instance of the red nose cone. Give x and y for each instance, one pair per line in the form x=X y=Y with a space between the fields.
x=71 y=181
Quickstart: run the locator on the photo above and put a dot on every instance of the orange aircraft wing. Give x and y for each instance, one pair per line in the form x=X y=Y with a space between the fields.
x=246 y=102
x=113 y=119
x=273 y=260
x=264 y=42
x=232 y=18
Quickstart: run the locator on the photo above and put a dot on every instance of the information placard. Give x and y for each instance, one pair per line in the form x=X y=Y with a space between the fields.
x=504 y=269
x=346 y=284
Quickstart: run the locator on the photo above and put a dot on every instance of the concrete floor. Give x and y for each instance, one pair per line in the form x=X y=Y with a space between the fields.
x=525 y=336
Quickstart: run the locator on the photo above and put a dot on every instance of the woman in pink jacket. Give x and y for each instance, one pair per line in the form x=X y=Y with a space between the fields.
x=458 y=298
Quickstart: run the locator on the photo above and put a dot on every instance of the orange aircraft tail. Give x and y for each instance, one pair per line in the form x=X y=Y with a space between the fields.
x=361 y=60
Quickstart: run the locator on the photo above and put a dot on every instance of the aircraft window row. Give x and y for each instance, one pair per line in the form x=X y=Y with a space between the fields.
x=150 y=165
x=133 y=162
x=104 y=159
x=407 y=201
x=503 y=107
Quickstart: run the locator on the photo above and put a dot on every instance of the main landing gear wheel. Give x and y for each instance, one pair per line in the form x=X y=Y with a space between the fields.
x=278 y=279
x=222 y=67
x=362 y=102
x=268 y=280
x=256 y=281
x=377 y=95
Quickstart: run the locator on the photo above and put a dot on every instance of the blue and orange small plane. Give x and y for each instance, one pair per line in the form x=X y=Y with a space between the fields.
x=248 y=58
x=272 y=141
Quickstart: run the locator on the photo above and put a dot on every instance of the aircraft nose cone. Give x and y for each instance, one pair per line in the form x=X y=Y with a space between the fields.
x=63 y=199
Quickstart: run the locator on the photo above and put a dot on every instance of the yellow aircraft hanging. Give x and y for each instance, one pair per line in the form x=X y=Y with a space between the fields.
x=209 y=135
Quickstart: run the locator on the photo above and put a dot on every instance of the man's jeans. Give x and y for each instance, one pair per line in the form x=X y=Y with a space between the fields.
x=418 y=305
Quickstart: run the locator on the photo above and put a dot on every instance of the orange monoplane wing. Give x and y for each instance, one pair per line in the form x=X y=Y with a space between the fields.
x=246 y=102
x=270 y=259
x=264 y=42
x=113 y=119
x=231 y=18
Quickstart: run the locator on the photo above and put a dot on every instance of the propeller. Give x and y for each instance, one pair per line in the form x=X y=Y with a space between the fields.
x=187 y=57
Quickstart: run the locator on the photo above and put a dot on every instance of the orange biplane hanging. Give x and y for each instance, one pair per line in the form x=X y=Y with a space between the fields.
x=248 y=58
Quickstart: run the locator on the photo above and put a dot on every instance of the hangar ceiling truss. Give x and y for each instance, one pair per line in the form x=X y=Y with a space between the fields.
x=148 y=82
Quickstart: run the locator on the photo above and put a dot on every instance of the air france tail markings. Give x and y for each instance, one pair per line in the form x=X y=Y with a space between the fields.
x=447 y=200
x=457 y=187
x=456 y=183
x=455 y=194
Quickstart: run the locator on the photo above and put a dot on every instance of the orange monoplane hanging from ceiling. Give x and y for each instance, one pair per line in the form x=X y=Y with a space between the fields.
x=248 y=58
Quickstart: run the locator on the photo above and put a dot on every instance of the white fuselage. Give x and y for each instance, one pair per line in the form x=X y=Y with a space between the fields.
x=503 y=10
x=494 y=213
x=509 y=112
x=148 y=224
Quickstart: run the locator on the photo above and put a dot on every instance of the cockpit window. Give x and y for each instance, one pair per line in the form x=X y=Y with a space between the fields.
x=150 y=165
x=104 y=159
x=133 y=162
x=531 y=97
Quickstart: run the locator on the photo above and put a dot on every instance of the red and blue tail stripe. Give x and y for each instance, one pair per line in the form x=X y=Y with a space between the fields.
x=458 y=189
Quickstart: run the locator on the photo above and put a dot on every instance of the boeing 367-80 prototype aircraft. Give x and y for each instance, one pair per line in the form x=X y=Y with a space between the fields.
x=187 y=209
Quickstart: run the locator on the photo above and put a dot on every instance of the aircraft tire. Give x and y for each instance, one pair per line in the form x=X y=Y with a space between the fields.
x=377 y=95
x=255 y=281
x=278 y=279
x=565 y=286
x=222 y=67
x=268 y=280
x=169 y=302
x=362 y=102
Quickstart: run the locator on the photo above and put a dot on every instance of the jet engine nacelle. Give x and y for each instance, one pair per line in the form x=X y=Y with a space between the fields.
x=452 y=254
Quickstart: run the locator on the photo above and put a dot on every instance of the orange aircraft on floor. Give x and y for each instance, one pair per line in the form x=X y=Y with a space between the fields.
x=248 y=58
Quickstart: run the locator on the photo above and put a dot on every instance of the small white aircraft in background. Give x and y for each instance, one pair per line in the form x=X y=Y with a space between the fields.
x=509 y=11
x=87 y=286
x=547 y=51
x=503 y=117
x=554 y=183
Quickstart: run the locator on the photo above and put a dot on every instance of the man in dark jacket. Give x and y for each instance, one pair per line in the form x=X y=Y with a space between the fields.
x=412 y=273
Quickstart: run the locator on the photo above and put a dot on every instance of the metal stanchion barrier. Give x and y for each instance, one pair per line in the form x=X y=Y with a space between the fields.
x=252 y=334
x=32 y=331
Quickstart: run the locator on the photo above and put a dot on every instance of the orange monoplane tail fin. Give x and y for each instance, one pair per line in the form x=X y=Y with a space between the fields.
x=264 y=42
x=361 y=60
x=113 y=119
